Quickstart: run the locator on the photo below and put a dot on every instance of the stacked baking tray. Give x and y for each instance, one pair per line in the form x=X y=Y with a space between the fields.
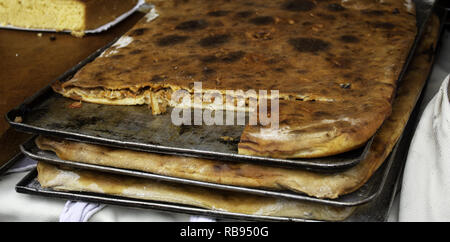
x=46 y=114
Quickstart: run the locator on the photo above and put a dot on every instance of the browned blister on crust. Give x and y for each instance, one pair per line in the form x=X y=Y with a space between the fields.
x=336 y=53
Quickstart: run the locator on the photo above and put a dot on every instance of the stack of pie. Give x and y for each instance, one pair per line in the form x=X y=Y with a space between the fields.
x=334 y=63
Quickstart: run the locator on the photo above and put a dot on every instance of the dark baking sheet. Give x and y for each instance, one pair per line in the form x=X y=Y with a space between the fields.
x=375 y=211
x=30 y=185
x=5 y=167
x=366 y=194
x=446 y=6
x=134 y=127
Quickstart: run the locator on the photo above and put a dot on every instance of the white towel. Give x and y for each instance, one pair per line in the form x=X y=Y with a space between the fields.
x=73 y=211
x=83 y=212
x=25 y=164
x=425 y=192
x=79 y=211
x=201 y=219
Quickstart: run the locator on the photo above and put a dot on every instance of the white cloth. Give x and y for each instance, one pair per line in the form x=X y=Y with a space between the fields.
x=202 y=219
x=72 y=211
x=79 y=211
x=26 y=164
x=17 y=207
x=82 y=212
x=425 y=192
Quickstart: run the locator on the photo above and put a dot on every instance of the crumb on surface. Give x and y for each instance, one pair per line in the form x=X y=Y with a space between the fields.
x=76 y=105
x=227 y=138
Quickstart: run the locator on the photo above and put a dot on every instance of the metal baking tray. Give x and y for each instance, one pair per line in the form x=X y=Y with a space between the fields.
x=446 y=6
x=133 y=127
x=364 y=195
x=5 y=167
x=375 y=211
x=30 y=185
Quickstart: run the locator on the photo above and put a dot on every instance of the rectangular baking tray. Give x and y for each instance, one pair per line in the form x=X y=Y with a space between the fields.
x=30 y=185
x=375 y=211
x=365 y=194
x=133 y=127
x=5 y=167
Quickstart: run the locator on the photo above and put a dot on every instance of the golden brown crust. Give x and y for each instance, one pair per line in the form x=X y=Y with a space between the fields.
x=309 y=50
x=312 y=129
x=50 y=176
x=307 y=72
x=313 y=184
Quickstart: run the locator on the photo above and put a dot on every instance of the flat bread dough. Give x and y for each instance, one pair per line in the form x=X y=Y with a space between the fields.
x=322 y=56
x=50 y=176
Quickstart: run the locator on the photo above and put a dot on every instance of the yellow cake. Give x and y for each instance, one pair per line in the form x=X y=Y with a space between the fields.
x=76 y=16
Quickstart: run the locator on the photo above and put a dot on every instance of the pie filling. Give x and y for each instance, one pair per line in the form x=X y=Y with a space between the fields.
x=157 y=100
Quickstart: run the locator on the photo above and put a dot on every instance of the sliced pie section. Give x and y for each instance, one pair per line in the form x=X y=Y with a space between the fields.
x=335 y=64
x=76 y=16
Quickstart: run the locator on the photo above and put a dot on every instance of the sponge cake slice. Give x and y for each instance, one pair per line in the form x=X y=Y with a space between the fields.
x=76 y=16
